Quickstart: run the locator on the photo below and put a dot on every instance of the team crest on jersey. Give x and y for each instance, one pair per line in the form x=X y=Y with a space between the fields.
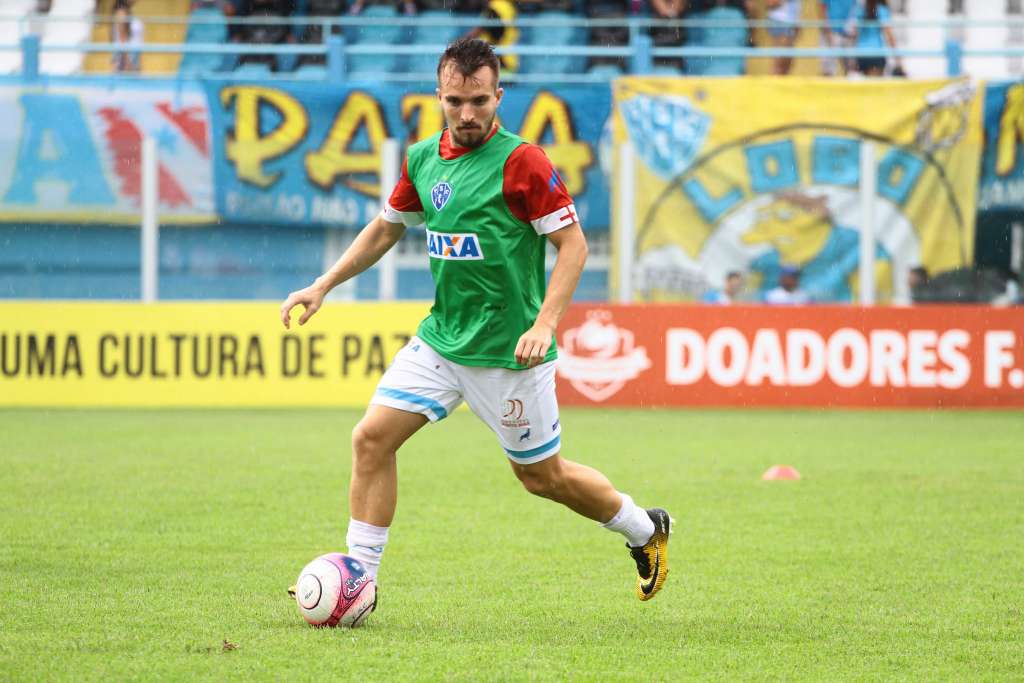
x=440 y=195
x=454 y=247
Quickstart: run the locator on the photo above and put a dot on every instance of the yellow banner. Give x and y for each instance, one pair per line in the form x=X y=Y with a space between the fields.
x=756 y=174
x=196 y=354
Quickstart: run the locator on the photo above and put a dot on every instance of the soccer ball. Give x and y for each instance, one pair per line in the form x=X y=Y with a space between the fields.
x=335 y=590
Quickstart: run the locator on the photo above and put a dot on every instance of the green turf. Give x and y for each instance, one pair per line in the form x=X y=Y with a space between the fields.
x=133 y=544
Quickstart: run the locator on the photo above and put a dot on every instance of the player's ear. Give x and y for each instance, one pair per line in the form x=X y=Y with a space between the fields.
x=498 y=94
x=438 y=91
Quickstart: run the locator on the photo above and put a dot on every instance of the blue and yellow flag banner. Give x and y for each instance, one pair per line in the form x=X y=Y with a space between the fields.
x=756 y=174
x=305 y=153
x=1002 y=166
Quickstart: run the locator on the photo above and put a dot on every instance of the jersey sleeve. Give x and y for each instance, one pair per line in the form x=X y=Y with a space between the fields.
x=534 y=191
x=404 y=206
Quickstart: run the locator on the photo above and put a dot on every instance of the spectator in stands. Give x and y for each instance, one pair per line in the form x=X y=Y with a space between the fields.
x=837 y=31
x=271 y=33
x=872 y=30
x=127 y=30
x=788 y=293
x=314 y=33
x=732 y=31
x=668 y=36
x=784 y=16
x=917 y=280
x=729 y=293
x=609 y=36
x=505 y=35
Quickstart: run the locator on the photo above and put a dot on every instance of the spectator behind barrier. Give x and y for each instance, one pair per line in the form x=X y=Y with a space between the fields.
x=127 y=30
x=837 y=32
x=265 y=34
x=668 y=36
x=314 y=33
x=734 y=33
x=505 y=35
x=788 y=293
x=784 y=18
x=877 y=37
x=609 y=36
x=730 y=293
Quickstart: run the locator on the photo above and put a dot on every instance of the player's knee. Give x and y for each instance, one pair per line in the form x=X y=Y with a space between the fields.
x=368 y=445
x=540 y=481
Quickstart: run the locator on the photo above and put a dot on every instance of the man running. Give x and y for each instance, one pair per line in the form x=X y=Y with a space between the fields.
x=490 y=203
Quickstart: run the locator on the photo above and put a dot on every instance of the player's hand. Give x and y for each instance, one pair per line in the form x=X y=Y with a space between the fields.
x=311 y=297
x=534 y=344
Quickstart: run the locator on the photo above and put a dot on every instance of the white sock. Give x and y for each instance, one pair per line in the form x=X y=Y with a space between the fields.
x=366 y=543
x=632 y=522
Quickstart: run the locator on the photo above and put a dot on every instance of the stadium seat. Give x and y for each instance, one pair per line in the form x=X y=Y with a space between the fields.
x=315 y=72
x=384 y=34
x=252 y=70
x=609 y=71
x=724 y=36
x=434 y=34
x=563 y=33
x=211 y=28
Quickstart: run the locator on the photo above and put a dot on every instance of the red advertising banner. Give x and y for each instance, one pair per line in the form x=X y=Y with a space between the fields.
x=682 y=355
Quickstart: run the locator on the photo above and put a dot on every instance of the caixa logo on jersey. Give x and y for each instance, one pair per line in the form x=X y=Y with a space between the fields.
x=454 y=246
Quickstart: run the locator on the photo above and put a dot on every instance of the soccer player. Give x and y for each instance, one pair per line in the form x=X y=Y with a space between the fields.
x=490 y=203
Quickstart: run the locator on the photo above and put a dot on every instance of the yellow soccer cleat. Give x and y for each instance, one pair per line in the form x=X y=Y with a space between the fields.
x=652 y=557
x=292 y=590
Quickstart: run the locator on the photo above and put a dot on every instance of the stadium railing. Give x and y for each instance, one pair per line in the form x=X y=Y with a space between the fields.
x=639 y=53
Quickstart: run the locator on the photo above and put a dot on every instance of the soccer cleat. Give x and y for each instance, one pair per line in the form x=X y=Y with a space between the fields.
x=292 y=590
x=652 y=557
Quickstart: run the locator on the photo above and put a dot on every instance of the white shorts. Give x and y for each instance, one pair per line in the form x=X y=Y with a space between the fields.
x=518 y=405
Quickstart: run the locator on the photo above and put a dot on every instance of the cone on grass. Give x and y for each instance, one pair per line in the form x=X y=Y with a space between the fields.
x=781 y=473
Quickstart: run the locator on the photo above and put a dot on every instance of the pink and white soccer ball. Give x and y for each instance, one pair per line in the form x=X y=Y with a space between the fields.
x=335 y=590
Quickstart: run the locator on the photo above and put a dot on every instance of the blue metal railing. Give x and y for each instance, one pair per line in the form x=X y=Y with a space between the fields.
x=639 y=53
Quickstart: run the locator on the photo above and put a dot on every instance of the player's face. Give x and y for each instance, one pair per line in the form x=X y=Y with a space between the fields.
x=469 y=103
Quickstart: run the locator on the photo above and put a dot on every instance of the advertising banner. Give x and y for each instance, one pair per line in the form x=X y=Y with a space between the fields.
x=1002 y=166
x=757 y=174
x=822 y=356
x=74 y=153
x=305 y=153
x=215 y=354
x=231 y=354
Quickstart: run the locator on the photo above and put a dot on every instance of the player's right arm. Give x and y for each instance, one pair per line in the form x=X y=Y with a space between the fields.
x=383 y=232
x=370 y=244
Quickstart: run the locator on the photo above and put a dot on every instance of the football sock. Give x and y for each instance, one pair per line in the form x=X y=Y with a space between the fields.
x=632 y=522
x=366 y=543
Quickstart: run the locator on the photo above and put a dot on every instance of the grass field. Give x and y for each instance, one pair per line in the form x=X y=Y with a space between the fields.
x=133 y=544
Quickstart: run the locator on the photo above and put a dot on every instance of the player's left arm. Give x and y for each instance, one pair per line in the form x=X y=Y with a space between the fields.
x=571 y=245
x=536 y=194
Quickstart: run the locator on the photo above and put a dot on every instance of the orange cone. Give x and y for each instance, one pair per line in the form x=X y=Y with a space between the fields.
x=780 y=472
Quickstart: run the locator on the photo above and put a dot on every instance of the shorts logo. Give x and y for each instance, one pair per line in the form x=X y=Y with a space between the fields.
x=454 y=247
x=440 y=194
x=512 y=414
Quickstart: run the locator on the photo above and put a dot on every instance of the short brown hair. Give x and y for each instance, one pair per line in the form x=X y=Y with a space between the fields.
x=468 y=55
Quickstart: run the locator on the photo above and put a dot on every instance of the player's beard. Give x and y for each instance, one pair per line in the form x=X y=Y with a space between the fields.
x=471 y=137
